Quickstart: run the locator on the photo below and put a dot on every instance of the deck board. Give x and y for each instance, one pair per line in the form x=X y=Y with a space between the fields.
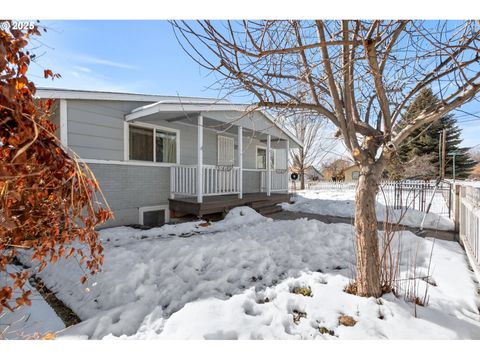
x=220 y=203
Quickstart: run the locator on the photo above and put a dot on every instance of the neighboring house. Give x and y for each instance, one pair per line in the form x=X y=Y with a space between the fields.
x=352 y=173
x=313 y=174
x=154 y=155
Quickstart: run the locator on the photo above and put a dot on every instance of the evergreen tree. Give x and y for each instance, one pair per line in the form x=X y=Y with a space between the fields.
x=424 y=143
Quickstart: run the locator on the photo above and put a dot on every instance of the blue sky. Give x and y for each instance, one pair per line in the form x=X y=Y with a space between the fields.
x=140 y=56
x=132 y=56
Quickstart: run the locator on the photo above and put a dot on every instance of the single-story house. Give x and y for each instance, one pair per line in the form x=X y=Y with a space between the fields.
x=156 y=156
x=352 y=173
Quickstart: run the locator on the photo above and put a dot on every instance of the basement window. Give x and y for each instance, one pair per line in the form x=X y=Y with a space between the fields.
x=154 y=216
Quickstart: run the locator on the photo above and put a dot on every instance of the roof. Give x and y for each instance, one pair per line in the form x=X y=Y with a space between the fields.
x=58 y=93
x=159 y=103
x=351 y=166
x=204 y=106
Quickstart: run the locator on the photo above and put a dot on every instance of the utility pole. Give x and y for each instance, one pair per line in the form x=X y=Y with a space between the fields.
x=453 y=153
x=444 y=151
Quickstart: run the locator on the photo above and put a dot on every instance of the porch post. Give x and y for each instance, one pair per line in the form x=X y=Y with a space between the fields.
x=240 y=162
x=288 y=153
x=200 y=158
x=269 y=166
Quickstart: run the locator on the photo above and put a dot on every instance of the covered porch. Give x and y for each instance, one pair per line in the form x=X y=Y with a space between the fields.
x=236 y=156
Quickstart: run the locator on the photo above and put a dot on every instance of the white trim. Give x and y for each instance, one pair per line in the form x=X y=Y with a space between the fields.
x=269 y=165
x=240 y=161
x=143 y=209
x=128 y=162
x=287 y=148
x=63 y=122
x=183 y=107
x=257 y=170
x=266 y=155
x=200 y=159
x=126 y=142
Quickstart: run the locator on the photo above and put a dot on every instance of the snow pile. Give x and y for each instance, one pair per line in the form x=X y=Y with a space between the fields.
x=342 y=204
x=277 y=313
x=27 y=321
x=232 y=279
x=144 y=270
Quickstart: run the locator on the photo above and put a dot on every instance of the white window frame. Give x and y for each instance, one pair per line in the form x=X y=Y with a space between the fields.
x=144 y=209
x=126 y=142
x=268 y=157
x=218 y=148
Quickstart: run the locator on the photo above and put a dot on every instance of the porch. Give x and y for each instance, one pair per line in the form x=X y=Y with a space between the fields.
x=221 y=203
x=226 y=155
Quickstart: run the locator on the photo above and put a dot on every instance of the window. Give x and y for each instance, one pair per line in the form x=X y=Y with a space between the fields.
x=141 y=143
x=152 y=144
x=166 y=146
x=355 y=175
x=225 y=151
x=153 y=215
x=262 y=158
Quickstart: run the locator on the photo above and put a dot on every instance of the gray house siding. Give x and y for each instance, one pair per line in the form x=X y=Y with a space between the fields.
x=129 y=187
x=251 y=181
x=95 y=128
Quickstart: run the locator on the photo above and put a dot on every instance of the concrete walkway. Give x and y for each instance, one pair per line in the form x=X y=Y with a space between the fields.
x=291 y=215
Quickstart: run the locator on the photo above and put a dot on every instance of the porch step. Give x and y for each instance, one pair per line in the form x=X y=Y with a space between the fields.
x=258 y=204
x=267 y=210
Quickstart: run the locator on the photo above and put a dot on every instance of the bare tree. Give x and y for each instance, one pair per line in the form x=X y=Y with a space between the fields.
x=475 y=155
x=308 y=128
x=361 y=75
x=335 y=169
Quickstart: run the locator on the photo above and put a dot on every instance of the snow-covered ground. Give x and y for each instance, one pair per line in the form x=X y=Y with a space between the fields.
x=233 y=279
x=342 y=203
x=28 y=321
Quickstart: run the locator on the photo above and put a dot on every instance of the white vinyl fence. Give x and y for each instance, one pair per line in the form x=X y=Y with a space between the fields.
x=467 y=216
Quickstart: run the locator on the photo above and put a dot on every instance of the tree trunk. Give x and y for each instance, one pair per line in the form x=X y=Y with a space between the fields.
x=366 y=229
x=302 y=180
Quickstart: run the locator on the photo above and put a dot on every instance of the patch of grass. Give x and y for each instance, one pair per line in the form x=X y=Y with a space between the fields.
x=351 y=288
x=323 y=330
x=417 y=301
x=298 y=315
x=302 y=290
x=66 y=314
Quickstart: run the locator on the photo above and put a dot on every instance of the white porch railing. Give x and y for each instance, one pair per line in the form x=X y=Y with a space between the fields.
x=216 y=180
x=279 y=180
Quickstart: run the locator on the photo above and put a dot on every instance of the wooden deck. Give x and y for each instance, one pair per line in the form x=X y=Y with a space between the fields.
x=222 y=203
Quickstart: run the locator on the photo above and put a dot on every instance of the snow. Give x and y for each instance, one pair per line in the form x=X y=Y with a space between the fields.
x=28 y=321
x=211 y=282
x=342 y=204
